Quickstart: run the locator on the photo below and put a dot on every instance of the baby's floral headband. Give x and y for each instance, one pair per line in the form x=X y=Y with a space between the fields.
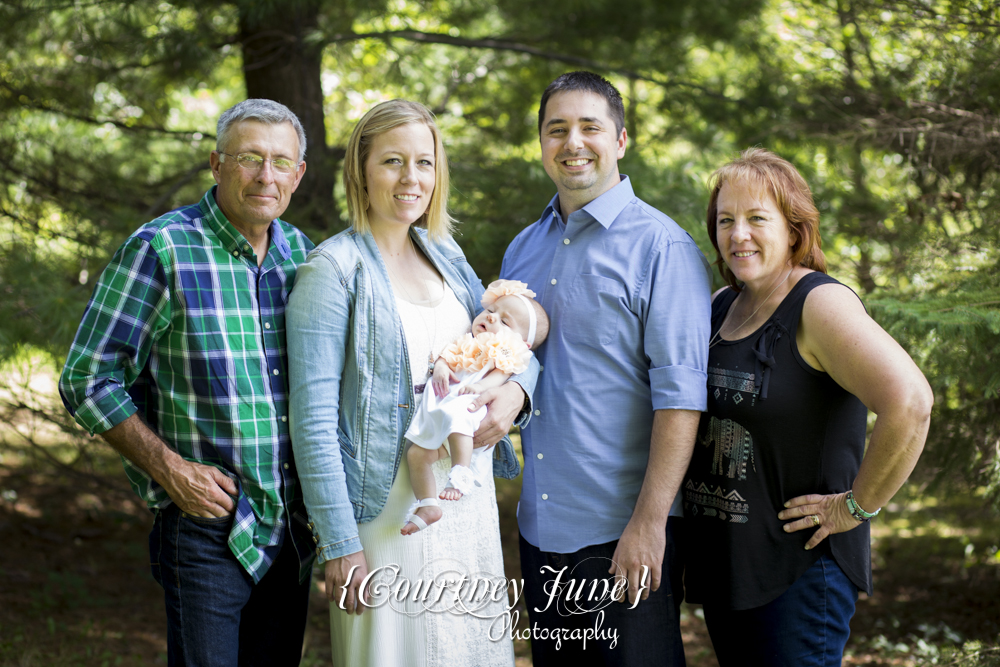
x=499 y=288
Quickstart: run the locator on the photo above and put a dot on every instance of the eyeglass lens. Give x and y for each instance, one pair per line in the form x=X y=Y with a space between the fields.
x=254 y=162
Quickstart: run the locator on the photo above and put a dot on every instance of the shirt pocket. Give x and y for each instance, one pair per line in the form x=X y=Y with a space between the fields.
x=594 y=303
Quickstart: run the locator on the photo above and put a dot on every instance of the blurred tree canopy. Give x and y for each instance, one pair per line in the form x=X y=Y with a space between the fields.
x=888 y=107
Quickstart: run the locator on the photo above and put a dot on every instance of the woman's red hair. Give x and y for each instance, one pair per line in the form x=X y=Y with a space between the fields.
x=764 y=170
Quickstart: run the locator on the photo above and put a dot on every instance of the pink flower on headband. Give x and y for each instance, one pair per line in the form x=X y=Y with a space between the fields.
x=499 y=288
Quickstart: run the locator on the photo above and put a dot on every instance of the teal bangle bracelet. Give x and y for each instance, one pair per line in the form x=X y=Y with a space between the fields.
x=855 y=509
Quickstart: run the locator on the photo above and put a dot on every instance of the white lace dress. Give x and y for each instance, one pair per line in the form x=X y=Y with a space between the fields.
x=422 y=617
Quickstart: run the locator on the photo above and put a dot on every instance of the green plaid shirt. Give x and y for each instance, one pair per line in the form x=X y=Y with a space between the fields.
x=184 y=328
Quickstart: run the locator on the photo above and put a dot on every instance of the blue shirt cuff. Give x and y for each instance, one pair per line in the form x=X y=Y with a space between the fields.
x=679 y=388
x=346 y=547
x=524 y=416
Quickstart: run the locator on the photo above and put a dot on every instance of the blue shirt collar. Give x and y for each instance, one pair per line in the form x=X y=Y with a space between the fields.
x=605 y=208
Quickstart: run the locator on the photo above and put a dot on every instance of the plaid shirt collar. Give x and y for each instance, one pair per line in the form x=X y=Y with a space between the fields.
x=231 y=239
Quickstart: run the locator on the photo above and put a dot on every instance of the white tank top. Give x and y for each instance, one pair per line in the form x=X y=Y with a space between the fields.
x=428 y=329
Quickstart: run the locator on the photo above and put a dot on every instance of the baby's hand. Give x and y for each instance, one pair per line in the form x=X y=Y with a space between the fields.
x=473 y=388
x=441 y=377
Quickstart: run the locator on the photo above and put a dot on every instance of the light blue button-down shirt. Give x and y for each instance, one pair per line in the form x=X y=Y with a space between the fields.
x=629 y=298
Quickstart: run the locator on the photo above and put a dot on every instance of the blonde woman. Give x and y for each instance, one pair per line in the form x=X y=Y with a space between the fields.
x=371 y=309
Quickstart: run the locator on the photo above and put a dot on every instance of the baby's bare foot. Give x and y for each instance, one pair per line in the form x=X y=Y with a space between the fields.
x=450 y=493
x=429 y=515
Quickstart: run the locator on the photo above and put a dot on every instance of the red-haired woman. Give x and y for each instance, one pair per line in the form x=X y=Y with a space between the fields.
x=780 y=487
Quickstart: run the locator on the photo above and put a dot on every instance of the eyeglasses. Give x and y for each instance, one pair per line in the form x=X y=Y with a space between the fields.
x=254 y=163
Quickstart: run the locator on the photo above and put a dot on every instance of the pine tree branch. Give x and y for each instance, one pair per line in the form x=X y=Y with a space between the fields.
x=41 y=106
x=51 y=189
x=188 y=176
x=20 y=406
x=43 y=233
x=15 y=216
x=503 y=45
x=914 y=13
x=968 y=305
x=99 y=480
x=45 y=9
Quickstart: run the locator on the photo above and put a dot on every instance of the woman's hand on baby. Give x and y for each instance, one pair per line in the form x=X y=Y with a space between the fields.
x=441 y=377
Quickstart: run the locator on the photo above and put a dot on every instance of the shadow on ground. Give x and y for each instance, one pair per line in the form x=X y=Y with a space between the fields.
x=75 y=587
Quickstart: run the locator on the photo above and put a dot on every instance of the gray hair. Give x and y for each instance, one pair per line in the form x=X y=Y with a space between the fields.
x=262 y=111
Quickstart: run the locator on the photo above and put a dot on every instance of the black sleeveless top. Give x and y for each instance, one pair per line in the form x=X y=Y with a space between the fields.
x=775 y=428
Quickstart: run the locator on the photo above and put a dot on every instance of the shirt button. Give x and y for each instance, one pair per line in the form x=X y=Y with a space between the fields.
x=553 y=281
x=285 y=466
x=565 y=241
x=538 y=412
x=275 y=371
x=545 y=496
x=246 y=248
x=284 y=418
x=236 y=253
x=541 y=368
x=540 y=456
x=267 y=325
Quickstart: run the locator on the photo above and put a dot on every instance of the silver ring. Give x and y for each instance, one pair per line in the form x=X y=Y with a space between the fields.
x=815 y=520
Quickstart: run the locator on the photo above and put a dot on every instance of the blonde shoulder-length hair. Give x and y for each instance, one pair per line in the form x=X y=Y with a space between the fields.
x=383 y=118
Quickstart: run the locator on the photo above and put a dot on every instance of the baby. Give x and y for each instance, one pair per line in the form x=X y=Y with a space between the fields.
x=497 y=347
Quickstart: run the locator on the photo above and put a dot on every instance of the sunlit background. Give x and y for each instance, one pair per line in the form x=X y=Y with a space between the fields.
x=889 y=108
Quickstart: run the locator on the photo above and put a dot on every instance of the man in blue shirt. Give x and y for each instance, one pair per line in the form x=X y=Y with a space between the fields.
x=617 y=404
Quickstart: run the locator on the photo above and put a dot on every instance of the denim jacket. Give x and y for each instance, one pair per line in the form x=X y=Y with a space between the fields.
x=351 y=384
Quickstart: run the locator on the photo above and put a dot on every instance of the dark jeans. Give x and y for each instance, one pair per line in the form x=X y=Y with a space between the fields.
x=216 y=615
x=647 y=635
x=806 y=626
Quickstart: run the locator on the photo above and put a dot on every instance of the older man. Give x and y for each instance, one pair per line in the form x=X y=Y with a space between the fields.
x=179 y=363
x=617 y=405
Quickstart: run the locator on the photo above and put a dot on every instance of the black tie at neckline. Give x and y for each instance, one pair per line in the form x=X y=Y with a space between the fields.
x=763 y=350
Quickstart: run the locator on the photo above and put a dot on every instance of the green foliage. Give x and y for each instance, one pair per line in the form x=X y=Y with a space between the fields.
x=888 y=107
x=889 y=110
x=94 y=141
x=954 y=333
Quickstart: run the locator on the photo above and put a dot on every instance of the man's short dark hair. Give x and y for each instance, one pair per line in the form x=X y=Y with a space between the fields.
x=589 y=82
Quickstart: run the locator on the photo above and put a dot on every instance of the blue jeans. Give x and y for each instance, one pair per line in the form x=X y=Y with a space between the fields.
x=647 y=635
x=216 y=615
x=806 y=626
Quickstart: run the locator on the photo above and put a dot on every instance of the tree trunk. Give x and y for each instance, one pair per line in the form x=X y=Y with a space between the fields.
x=280 y=64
